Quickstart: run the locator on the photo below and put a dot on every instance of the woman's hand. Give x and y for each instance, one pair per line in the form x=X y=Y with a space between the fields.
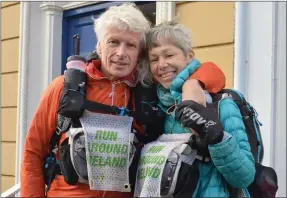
x=192 y=90
x=204 y=120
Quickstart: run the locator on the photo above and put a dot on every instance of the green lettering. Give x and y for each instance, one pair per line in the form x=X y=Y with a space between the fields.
x=149 y=171
x=117 y=148
x=108 y=161
x=94 y=147
x=106 y=135
x=93 y=160
x=99 y=135
x=156 y=173
x=102 y=148
x=152 y=160
x=161 y=160
x=155 y=149
x=109 y=148
x=124 y=149
x=141 y=174
x=101 y=161
x=113 y=136
x=115 y=161
x=110 y=135
x=122 y=162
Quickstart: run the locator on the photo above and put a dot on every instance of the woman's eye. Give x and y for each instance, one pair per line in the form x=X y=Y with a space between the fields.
x=169 y=55
x=152 y=60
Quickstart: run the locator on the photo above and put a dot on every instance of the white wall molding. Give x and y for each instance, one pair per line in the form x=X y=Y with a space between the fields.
x=241 y=47
x=165 y=11
x=51 y=7
x=260 y=73
x=53 y=16
x=78 y=4
x=278 y=127
x=253 y=61
x=23 y=71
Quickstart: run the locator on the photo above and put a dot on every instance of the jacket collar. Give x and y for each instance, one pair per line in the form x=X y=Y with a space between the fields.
x=94 y=74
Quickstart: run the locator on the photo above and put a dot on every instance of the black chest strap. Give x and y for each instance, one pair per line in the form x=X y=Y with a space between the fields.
x=64 y=123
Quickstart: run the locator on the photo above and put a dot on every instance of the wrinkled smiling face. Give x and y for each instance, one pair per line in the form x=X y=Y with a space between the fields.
x=166 y=61
x=119 y=52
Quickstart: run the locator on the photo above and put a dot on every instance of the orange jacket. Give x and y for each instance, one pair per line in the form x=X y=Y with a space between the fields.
x=43 y=125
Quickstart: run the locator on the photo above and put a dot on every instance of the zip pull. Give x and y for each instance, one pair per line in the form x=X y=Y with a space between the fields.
x=113 y=89
x=112 y=93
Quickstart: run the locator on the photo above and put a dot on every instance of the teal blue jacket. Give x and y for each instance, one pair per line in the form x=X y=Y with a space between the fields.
x=231 y=159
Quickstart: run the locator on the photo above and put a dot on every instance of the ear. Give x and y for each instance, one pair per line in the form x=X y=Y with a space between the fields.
x=99 y=49
x=190 y=55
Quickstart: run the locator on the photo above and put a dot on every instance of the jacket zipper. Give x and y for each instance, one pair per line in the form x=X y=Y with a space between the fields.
x=112 y=93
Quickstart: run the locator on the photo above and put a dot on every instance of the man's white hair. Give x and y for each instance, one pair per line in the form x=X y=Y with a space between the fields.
x=124 y=17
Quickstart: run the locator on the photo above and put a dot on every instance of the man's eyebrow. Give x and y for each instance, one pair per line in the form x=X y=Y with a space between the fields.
x=111 y=37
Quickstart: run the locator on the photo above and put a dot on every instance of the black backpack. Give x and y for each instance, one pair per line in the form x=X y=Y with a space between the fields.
x=265 y=182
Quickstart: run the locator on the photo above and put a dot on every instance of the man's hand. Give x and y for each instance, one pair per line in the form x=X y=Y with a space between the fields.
x=204 y=120
x=192 y=90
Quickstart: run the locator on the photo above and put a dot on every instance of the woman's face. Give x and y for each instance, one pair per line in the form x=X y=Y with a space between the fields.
x=166 y=61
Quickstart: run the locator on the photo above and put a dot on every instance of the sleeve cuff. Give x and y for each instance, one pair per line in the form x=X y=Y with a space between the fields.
x=226 y=136
x=224 y=148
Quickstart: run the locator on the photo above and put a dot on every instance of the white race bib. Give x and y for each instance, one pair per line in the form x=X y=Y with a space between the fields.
x=152 y=163
x=107 y=150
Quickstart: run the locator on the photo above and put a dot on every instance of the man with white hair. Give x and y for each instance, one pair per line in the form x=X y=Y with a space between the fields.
x=121 y=41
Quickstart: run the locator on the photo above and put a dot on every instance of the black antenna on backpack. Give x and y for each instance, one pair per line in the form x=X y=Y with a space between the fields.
x=76 y=38
x=76 y=55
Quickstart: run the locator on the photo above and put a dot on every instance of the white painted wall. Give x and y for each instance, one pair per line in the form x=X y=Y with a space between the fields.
x=260 y=67
x=278 y=147
x=260 y=73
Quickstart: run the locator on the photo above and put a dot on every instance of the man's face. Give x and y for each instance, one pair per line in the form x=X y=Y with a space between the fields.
x=119 y=53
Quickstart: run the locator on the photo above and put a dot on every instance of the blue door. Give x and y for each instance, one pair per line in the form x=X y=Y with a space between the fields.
x=80 y=21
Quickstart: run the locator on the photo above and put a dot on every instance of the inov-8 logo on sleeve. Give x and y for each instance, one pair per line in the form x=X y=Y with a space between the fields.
x=194 y=116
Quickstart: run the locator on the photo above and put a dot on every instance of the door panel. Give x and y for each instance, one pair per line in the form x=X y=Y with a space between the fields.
x=85 y=28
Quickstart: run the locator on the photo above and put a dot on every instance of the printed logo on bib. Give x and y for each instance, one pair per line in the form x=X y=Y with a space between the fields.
x=107 y=150
x=150 y=158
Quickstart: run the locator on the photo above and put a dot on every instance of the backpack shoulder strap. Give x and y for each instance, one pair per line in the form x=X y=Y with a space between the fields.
x=63 y=125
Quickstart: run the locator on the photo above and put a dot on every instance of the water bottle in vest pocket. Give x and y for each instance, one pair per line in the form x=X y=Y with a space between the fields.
x=66 y=166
